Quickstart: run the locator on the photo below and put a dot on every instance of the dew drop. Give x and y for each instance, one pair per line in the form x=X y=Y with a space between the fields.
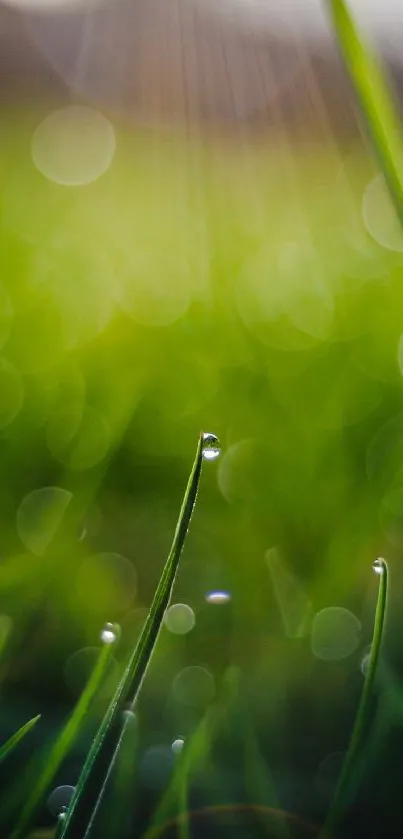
x=379 y=565
x=110 y=633
x=365 y=661
x=129 y=717
x=59 y=800
x=211 y=446
x=178 y=745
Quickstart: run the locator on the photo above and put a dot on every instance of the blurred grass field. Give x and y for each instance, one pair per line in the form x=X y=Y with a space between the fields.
x=250 y=290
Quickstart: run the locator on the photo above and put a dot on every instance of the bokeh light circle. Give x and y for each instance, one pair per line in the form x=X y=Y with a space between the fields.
x=243 y=471
x=194 y=686
x=156 y=290
x=73 y=146
x=380 y=217
x=78 y=437
x=391 y=516
x=11 y=393
x=335 y=633
x=6 y=315
x=59 y=798
x=39 y=516
x=179 y=618
x=106 y=583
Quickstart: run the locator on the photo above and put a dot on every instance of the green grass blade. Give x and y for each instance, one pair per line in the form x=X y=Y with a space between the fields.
x=362 y=718
x=374 y=98
x=13 y=741
x=107 y=742
x=65 y=740
x=123 y=762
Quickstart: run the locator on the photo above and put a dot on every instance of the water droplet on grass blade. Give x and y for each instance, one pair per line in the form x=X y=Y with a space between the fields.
x=129 y=717
x=364 y=665
x=379 y=565
x=59 y=800
x=211 y=446
x=110 y=633
x=178 y=745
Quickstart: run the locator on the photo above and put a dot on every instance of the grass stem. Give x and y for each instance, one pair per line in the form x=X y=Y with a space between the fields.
x=106 y=744
x=341 y=796
x=374 y=98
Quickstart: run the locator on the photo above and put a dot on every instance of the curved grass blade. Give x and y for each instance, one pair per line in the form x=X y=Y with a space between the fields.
x=65 y=740
x=374 y=99
x=13 y=741
x=362 y=718
x=106 y=745
x=114 y=819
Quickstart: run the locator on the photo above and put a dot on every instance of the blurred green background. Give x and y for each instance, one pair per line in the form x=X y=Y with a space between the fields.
x=249 y=289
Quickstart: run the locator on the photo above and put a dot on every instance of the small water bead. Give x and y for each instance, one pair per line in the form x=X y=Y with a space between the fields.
x=110 y=633
x=129 y=717
x=218 y=597
x=379 y=565
x=211 y=446
x=59 y=800
x=364 y=665
x=178 y=745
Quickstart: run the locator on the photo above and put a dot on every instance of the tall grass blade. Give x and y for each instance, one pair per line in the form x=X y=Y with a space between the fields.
x=115 y=819
x=16 y=738
x=346 y=779
x=65 y=740
x=107 y=742
x=374 y=99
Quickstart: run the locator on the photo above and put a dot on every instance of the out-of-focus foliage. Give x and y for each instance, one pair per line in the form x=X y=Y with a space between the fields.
x=374 y=97
x=253 y=291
